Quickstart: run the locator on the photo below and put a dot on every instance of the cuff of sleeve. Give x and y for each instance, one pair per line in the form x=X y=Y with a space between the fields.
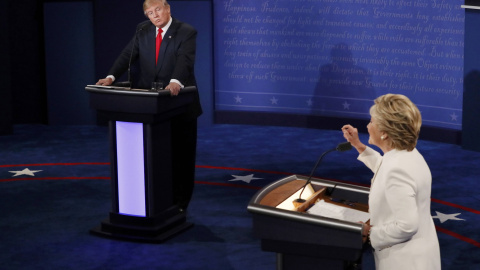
x=177 y=82
x=111 y=77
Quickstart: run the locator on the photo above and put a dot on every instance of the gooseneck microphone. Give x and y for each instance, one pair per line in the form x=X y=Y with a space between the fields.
x=340 y=148
x=131 y=55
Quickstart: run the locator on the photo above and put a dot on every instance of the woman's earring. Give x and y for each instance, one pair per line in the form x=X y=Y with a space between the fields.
x=382 y=137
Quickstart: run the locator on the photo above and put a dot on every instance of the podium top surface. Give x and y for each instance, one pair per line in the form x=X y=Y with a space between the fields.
x=139 y=105
x=117 y=90
x=260 y=203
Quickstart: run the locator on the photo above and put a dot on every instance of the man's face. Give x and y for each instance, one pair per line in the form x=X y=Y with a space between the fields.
x=158 y=14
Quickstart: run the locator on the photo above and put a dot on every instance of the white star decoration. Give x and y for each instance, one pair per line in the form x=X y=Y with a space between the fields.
x=309 y=103
x=274 y=100
x=346 y=106
x=444 y=217
x=25 y=171
x=246 y=178
x=238 y=99
x=454 y=116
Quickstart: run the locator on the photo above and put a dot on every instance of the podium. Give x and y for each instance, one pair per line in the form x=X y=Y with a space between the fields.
x=140 y=156
x=302 y=240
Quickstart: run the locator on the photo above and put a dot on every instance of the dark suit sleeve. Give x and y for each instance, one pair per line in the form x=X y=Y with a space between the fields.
x=185 y=54
x=120 y=66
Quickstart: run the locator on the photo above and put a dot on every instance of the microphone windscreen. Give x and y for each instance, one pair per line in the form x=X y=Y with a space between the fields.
x=344 y=146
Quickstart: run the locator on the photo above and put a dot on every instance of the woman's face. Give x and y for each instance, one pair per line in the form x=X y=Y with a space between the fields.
x=374 y=133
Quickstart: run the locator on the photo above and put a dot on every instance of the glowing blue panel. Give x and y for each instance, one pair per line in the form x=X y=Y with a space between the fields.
x=130 y=169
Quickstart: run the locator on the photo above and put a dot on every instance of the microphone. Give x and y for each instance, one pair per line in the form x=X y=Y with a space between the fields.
x=131 y=55
x=342 y=147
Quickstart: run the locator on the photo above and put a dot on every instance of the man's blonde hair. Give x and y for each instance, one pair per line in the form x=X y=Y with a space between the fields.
x=148 y=3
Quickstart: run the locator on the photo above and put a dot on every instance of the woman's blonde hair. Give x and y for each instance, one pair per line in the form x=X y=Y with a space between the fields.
x=399 y=118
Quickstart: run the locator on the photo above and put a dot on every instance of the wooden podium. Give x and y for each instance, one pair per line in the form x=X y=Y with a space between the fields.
x=141 y=167
x=302 y=240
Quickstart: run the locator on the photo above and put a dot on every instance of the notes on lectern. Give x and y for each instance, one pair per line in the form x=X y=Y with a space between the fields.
x=117 y=88
x=288 y=203
x=100 y=86
x=322 y=208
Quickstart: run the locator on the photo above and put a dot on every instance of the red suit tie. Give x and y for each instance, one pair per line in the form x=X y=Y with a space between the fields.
x=157 y=44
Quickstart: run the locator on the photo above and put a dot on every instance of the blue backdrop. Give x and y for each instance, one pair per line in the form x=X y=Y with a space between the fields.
x=333 y=57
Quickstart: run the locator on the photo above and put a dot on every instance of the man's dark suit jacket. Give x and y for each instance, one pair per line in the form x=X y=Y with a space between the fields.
x=176 y=59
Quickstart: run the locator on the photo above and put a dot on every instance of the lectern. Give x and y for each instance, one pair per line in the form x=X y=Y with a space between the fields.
x=140 y=156
x=306 y=241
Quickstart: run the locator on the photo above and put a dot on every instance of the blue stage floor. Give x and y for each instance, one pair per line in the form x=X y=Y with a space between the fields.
x=54 y=187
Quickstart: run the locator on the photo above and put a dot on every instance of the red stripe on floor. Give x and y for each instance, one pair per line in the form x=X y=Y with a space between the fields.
x=240 y=169
x=456 y=206
x=56 y=178
x=56 y=164
x=226 y=185
x=458 y=236
x=197 y=166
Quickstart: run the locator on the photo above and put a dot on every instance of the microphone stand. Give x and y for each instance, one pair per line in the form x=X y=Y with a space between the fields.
x=131 y=56
x=341 y=148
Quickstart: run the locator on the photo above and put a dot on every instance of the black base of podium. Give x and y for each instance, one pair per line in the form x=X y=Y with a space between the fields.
x=143 y=229
x=291 y=255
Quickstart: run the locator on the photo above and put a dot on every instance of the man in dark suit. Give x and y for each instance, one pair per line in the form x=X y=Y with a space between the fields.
x=165 y=51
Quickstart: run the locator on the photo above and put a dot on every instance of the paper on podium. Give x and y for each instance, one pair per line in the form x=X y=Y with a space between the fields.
x=117 y=87
x=331 y=210
x=100 y=86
